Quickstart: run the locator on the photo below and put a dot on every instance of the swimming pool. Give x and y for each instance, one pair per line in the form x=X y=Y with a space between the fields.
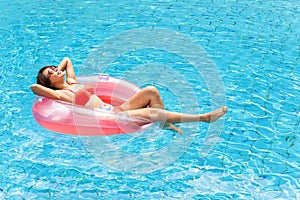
x=255 y=46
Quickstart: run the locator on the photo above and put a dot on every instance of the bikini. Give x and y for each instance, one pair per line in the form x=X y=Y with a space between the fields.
x=82 y=97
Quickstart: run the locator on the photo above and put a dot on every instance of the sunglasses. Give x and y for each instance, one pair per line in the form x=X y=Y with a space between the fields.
x=50 y=71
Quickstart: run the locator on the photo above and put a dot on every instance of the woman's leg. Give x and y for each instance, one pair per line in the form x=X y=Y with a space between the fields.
x=156 y=114
x=148 y=96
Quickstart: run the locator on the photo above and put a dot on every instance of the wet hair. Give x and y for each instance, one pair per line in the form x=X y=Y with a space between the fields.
x=44 y=80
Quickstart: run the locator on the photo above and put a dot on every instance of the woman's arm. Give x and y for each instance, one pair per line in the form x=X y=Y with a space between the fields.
x=66 y=65
x=43 y=91
x=51 y=94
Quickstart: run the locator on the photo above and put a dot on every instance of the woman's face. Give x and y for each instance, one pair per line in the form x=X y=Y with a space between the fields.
x=53 y=74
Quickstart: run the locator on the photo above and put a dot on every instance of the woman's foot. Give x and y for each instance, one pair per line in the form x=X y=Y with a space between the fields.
x=166 y=125
x=214 y=115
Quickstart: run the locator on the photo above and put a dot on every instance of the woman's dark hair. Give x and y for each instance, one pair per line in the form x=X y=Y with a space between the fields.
x=44 y=80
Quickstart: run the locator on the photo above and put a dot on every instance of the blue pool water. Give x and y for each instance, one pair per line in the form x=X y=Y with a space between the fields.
x=255 y=46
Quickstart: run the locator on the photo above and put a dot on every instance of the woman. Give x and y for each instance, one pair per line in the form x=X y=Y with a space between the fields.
x=146 y=103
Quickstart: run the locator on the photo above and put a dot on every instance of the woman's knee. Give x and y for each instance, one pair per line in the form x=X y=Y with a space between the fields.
x=151 y=90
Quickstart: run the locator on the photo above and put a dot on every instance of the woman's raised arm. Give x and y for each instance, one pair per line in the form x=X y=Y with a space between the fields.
x=44 y=91
x=66 y=65
x=51 y=94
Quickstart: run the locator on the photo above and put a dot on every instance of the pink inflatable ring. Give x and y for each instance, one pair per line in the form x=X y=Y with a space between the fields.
x=67 y=118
